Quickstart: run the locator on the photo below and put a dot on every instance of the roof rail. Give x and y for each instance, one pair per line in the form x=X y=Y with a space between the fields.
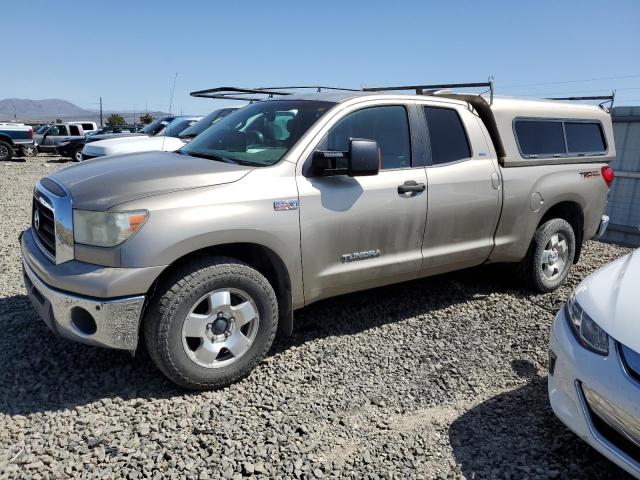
x=430 y=89
x=606 y=98
x=258 y=93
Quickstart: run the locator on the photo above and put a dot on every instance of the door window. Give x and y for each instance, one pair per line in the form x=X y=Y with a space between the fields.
x=387 y=125
x=74 y=130
x=449 y=142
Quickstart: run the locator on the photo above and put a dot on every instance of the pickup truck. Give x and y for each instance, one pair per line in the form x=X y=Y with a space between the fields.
x=47 y=139
x=206 y=252
x=15 y=138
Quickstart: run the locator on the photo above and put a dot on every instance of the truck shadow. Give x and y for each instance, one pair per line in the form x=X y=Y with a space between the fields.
x=516 y=435
x=42 y=372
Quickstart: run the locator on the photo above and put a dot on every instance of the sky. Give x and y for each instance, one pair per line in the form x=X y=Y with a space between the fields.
x=128 y=52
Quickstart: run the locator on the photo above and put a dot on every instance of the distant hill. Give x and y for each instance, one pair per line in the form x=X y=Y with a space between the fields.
x=26 y=110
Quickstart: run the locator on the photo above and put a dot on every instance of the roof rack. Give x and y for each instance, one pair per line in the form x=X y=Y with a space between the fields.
x=259 y=93
x=606 y=98
x=431 y=89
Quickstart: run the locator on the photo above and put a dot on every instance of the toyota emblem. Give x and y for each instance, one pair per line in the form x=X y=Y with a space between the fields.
x=36 y=220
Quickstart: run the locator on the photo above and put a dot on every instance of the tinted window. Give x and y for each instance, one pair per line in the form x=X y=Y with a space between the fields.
x=175 y=128
x=389 y=126
x=87 y=126
x=584 y=137
x=449 y=142
x=74 y=130
x=540 y=137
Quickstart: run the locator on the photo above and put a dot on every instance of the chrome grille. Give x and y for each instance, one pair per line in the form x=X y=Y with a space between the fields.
x=615 y=424
x=44 y=226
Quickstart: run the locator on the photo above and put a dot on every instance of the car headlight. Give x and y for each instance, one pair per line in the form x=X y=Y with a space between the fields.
x=586 y=331
x=106 y=229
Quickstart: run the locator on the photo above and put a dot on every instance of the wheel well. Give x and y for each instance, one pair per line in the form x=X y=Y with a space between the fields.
x=263 y=259
x=7 y=139
x=572 y=213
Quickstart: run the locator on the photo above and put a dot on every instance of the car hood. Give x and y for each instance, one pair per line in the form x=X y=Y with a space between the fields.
x=101 y=183
x=610 y=297
x=106 y=136
x=116 y=146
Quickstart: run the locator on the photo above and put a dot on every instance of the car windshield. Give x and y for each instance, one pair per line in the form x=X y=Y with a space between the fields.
x=259 y=134
x=176 y=127
x=205 y=122
x=155 y=126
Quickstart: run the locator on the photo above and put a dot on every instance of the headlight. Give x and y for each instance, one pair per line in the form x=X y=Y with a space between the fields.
x=106 y=229
x=586 y=331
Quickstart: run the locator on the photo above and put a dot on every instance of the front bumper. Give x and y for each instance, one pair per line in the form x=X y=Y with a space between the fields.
x=109 y=323
x=576 y=371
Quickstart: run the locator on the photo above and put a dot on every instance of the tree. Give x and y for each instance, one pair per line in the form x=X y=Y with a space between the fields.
x=58 y=120
x=146 y=119
x=115 y=119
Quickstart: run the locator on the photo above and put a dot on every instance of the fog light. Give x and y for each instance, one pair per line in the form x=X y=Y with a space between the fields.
x=83 y=321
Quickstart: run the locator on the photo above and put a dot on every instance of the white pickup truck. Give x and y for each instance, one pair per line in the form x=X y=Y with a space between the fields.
x=15 y=138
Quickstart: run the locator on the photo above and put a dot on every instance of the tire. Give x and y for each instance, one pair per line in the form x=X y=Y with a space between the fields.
x=30 y=151
x=6 y=151
x=193 y=292
x=76 y=154
x=550 y=256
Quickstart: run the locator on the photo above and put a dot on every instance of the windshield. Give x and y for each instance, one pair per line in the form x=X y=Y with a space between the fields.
x=205 y=122
x=176 y=127
x=157 y=125
x=259 y=134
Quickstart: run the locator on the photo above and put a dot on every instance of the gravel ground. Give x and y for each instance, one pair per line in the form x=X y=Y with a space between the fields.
x=437 y=378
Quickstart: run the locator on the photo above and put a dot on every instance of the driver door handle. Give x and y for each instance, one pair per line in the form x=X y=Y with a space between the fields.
x=411 y=186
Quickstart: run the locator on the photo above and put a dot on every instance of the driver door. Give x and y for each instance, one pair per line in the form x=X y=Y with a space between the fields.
x=363 y=232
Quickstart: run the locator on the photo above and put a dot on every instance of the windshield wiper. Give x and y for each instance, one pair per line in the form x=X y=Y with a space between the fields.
x=209 y=156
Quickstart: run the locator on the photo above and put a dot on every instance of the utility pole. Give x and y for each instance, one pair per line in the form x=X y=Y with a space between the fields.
x=101 y=124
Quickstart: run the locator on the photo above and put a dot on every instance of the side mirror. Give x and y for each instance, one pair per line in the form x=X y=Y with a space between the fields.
x=362 y=159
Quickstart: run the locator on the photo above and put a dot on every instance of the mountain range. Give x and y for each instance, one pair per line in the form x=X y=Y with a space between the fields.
x=26 y=110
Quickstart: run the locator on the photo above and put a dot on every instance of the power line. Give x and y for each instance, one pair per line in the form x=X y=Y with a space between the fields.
x=618 y=77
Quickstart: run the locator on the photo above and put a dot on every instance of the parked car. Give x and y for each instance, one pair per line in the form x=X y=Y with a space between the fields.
x=165 y=139
x=15 y=138
x=594 y=362
x=87 y=127
x=303 y=197
x=72 y=147
x=47 y=138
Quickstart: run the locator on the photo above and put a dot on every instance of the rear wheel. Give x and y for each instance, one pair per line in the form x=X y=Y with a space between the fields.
x=6 y=151
x=211 y=322
x=550 y=256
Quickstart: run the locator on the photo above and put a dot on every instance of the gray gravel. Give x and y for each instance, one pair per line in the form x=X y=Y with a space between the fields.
x=437 y=378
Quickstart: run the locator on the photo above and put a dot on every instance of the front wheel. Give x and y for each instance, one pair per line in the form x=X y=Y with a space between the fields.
x=211 y=322
x=76 y=154
x=30 y=150
x=550 y=256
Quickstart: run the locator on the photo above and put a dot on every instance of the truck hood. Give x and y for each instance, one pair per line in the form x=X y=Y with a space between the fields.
x=101 y=183
x=116 y=146
x=610 y=297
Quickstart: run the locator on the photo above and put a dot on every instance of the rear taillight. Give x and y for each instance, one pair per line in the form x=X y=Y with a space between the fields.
x=608 y=175
x=30 y=133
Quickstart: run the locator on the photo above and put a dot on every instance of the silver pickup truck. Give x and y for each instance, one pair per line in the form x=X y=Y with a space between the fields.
x=205 y=253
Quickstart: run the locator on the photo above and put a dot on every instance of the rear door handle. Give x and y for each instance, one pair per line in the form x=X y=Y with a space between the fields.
x=411 y=186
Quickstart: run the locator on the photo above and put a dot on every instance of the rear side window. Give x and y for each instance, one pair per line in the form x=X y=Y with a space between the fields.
x=584 y=137
x=540 y=137
x=449 y=142
x=388 y=125
x=74 y=130
x=87 y=126
x=546 y=138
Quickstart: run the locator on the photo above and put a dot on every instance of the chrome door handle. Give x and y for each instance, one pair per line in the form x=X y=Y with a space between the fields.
x=411 y=186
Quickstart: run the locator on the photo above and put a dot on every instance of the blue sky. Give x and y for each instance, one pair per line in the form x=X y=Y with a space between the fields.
x=128 y=52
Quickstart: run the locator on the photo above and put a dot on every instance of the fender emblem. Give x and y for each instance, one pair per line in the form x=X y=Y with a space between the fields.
x=590 y=174
x=289 y=204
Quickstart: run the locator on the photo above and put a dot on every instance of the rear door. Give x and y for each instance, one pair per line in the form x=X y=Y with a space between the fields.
x=464 y=189
x=362 y=232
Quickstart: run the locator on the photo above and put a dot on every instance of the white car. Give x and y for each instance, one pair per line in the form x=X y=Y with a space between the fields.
x=594 y=362
x=165 y=140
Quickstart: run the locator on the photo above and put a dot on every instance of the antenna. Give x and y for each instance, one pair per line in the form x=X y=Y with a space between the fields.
x=173 y=89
